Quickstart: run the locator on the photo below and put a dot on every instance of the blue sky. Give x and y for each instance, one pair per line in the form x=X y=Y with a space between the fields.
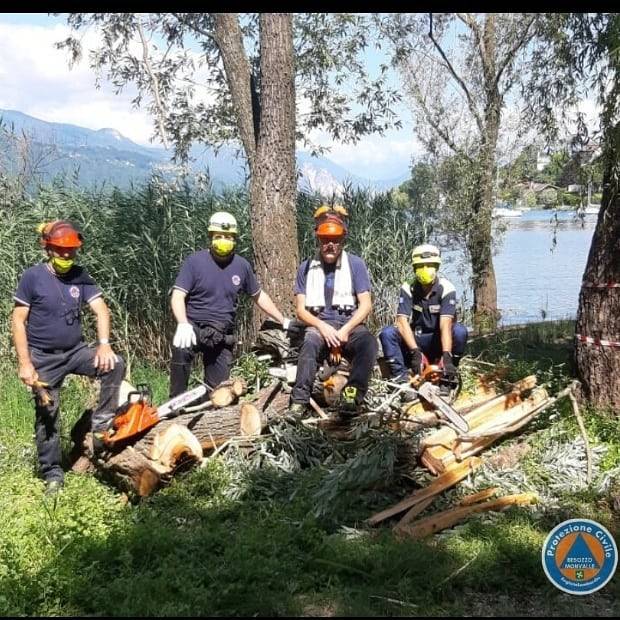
x=35 y=79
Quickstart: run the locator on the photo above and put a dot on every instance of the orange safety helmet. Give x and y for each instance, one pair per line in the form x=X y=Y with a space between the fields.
x=331 y=227
x=61 y=234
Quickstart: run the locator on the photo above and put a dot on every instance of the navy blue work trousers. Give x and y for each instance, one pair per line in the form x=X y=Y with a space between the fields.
x=53 y=366
x=396 y=351
x=360 y=349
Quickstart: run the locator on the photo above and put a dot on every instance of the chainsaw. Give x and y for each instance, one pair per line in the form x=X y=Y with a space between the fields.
x=137 y=416
x=426 y=386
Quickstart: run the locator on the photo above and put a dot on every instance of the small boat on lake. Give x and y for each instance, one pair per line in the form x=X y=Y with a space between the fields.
x=506 y=212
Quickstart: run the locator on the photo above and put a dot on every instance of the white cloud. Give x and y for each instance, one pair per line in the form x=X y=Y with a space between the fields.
x=35 y=79
x=374 y=157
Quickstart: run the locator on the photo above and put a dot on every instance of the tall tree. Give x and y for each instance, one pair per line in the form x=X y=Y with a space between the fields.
x=579 y=56
x=457 y=70
x=262 y=80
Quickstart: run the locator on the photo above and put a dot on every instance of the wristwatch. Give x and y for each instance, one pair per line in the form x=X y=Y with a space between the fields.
x=103 y=341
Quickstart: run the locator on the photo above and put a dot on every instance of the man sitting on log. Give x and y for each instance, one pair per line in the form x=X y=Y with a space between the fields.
x=204 y=303
x=48 y=339
x=332 y=297
x=426 y=330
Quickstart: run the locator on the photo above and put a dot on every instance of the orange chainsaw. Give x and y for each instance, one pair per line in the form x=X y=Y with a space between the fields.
x=137 y=416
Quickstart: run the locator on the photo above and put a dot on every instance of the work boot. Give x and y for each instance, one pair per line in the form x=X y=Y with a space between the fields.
x=100 y=448
x=348 y=405
x=406 y=396
x=53 y=487
x=296 y=411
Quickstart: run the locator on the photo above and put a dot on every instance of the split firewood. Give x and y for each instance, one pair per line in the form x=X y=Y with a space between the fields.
x=424 y=414
x=415 y=510
x=443 y=482
x=447 y=518
x=481 y=496
x=501 y=416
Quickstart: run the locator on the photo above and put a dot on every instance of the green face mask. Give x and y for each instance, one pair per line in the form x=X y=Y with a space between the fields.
x=425 y=274
x=223 y=247
x=62 y=265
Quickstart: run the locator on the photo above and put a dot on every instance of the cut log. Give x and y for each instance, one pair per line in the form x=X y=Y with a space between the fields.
x=250 y=420
x=332 y=387
x=142 y=467
x=173 y=446
x=487 y=423
x=228 y=392
x=443 y=482
x=447 y=518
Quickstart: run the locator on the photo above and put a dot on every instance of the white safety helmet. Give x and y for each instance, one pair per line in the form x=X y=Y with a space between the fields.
x=222 y=221
x=426 y=254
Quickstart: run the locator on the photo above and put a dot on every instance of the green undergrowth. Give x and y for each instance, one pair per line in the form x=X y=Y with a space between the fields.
x=280 y=531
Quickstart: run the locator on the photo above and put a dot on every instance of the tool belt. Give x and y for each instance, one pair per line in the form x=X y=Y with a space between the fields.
x=214 y=334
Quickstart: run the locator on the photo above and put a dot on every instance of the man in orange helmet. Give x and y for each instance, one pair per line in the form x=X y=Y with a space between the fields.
x=47 y=333
x=332 y=297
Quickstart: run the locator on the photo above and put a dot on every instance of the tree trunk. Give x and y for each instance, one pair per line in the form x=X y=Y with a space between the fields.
x=273 y=185
x=484 y=284
x=598 y=315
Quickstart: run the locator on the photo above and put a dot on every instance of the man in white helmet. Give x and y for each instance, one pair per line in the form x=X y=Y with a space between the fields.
x=426 y=329
x=204 y=303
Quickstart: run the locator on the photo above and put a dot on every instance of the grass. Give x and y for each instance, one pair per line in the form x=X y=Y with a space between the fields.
x=233 y=541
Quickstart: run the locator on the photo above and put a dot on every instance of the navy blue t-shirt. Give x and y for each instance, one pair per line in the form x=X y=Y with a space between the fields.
x=55 y=302
x=359 y=278
x=213 y=288
x=423 y=312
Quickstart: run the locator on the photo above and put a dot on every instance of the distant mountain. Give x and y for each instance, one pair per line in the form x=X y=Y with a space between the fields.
x=105 y=155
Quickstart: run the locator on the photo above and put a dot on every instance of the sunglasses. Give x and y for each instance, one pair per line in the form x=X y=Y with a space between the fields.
x=333 y=240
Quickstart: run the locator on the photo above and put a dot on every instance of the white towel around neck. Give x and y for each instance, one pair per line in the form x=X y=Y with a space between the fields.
x=343 y=284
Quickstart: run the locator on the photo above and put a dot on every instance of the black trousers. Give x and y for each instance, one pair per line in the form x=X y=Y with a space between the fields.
x=217 y=361
x=360 y=349
x=52 y=368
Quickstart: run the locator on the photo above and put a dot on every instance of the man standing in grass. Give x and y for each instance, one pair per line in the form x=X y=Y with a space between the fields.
x=48 y=338
x=204 y=303
x=332 y=296
x=426 y=330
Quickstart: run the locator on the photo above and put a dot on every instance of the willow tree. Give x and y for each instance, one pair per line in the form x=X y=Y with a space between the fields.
x=261 y=81
x=579 y=58
x=457 y=71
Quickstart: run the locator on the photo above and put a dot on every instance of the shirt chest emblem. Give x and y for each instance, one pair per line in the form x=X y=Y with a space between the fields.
x=74 y=291
x=236 y=280
x=434 y=308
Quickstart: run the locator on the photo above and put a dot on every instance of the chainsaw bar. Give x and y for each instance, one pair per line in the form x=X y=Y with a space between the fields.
x=430 y=392
x=165 y=410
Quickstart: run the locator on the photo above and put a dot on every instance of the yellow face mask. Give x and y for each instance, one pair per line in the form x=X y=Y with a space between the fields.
x=222 y=247
x=62 y=265
x=425 y=274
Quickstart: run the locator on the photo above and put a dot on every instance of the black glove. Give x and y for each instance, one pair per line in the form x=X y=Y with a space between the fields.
x=449 y=369
x=415 y=361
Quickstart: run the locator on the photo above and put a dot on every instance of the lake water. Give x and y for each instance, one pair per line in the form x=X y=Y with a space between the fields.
x=535 y=278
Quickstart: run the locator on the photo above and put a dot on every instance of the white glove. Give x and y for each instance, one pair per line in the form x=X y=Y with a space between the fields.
x=286 y=323
x=185 y=336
